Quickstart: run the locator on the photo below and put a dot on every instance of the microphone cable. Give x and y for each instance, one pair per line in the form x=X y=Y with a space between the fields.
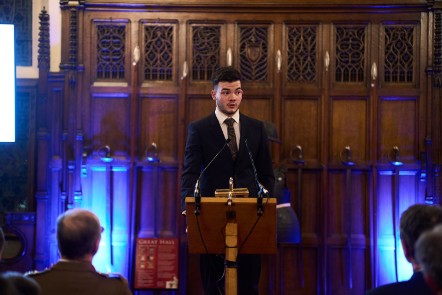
x=253 y=227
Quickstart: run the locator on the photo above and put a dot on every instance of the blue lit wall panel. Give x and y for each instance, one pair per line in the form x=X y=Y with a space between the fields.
x=148 y=177
x=385 y=262
x=106 y=194
x=98 y=204
x=121 y=210
x=389 y=254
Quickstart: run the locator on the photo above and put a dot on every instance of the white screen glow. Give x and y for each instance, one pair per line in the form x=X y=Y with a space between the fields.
x=7 y=84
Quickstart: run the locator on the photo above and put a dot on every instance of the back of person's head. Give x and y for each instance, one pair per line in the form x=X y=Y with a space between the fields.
x=225 y=74
x=415 y=220
x=14 y=283
x=78 y=233
x=429 y=255
x=2 y=242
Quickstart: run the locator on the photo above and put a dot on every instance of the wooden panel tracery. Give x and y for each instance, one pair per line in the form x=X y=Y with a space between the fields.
x=207 y=40
x=254 y=52
x=400 y=57
x=111 y=63
x=302 y=53
x=350 y=53
x=159 y=47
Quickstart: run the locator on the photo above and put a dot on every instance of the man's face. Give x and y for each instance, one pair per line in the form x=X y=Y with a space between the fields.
x=228 y=96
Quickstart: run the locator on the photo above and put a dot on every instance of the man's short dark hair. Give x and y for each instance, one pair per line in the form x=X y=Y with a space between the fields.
x=417 y=219
x=77 y=233
x=225 y=74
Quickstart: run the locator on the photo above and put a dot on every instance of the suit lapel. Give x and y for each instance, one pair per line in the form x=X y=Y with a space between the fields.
x=244 y=127
x=215 y=130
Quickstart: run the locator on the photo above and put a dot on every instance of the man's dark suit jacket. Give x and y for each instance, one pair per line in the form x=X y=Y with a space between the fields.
x=414 y=286
x=205 y=139
x=74 y=278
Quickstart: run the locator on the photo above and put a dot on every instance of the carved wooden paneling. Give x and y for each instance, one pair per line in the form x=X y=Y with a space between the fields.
x=341 y=284
x=298 y=273
x=158 y=50
x=400 y=54
x=303 y=58
x=400 y=135
x=302 y=53
x=109 y=124
x=351 y=55
x=158 y=121
x=199 y=107
x=147 y=187
x=259 y=108
x=398 y=127
x=347 y=231
x=110 y=43
x=254 y=52
x=300 y=265
x=356 y=184
x=347 y=202
x=44 y=50
x=349 y=118
x=302 y=127
x=156 y=194
x=168 y=206
x=312 y=204
x=207 y=43
x=110 y=52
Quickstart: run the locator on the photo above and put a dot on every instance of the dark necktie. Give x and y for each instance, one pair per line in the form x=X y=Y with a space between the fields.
x=231 y=136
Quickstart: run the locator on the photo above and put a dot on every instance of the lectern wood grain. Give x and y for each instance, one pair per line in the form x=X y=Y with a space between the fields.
x=206 y=232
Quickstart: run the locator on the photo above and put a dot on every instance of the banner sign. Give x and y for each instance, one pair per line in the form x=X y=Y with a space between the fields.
x=156 y=264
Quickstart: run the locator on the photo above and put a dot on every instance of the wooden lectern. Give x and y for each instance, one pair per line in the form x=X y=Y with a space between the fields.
x=231 y=226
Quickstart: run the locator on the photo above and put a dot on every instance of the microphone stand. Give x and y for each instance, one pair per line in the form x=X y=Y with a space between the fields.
x=197 y=196
x=262 y=191
x=197 y=192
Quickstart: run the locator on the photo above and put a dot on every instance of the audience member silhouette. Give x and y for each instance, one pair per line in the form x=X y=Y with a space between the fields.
x=414 y=221
x=78 y=236
x=429 y=255
x=15 y=283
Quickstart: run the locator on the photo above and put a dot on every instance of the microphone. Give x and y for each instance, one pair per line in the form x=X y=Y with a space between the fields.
x=197 y=193
x=262 y=191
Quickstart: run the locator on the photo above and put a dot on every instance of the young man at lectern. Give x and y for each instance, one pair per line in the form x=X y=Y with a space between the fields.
x=227 y=144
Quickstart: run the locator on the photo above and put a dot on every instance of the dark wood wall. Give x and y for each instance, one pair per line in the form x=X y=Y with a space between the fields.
x=349 y=84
